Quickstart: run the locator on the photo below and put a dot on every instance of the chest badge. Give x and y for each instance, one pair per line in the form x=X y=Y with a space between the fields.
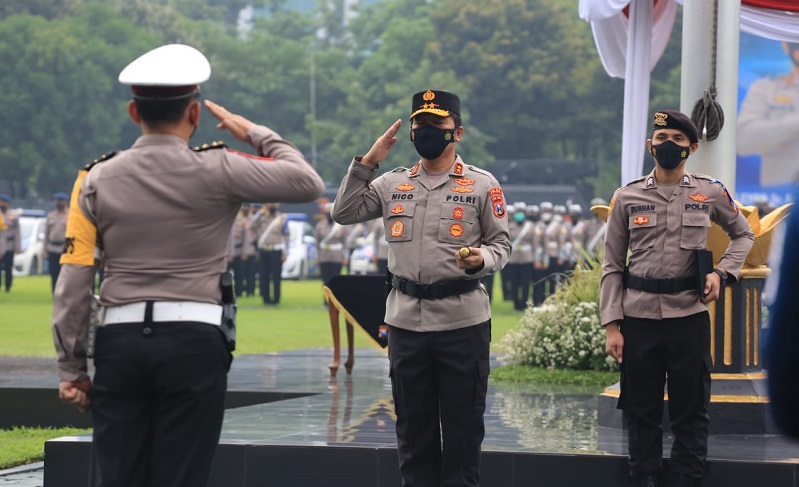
x=405 y=187
x=397 y=210
x=465 y=181
x=397 y=229
x=457 y=213
x=456 y=230
x=699 y=197
x=640 y=220
x=462 y=189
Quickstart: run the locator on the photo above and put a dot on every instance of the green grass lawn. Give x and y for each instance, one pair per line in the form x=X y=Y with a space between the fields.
x=300 y=321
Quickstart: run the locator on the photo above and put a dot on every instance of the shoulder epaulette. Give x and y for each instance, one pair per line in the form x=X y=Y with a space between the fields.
x=400 y=169
x=100 y=159
x=213 y=145
x=479 y=170
x=703 y=176
x=635 y=181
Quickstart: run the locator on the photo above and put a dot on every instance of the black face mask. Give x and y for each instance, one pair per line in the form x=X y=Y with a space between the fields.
x=669 y=155
x=431 y=141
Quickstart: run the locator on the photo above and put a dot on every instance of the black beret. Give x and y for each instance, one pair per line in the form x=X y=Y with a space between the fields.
x=441 y=103
x=672 y=119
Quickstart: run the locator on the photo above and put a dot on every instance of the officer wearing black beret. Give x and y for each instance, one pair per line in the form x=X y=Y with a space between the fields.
x=653 y=305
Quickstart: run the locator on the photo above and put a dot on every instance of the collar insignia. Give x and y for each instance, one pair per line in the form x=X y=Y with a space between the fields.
x=650 y=181
x=415 y=169
x=458 y=169
x=685 y=178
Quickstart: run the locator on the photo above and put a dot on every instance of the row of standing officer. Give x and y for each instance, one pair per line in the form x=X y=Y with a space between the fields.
x=258 y=245
x=548 y=240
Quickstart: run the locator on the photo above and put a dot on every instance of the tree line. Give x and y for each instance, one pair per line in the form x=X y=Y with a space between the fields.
x=328 y=79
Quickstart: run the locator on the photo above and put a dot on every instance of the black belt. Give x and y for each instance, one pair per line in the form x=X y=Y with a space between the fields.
x=437 y=290
x=660 y=286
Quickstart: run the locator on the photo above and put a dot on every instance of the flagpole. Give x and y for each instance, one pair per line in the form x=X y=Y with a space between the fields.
x=716 y=157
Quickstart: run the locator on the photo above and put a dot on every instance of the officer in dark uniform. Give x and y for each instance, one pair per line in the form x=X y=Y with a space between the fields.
x=781 y=358
x=161 y=359
x=54 y=234
x=447 y=227
x=656 y=320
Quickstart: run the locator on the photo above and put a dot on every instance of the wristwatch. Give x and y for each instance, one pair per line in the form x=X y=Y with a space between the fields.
x=722 y=275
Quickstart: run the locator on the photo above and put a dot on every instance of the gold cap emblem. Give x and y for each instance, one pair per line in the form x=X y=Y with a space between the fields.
x=660 y=118
x=428 y=95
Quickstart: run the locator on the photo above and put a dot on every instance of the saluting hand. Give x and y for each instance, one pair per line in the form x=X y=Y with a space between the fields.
x=382 y=145
x=236 y=124
x=76 y=393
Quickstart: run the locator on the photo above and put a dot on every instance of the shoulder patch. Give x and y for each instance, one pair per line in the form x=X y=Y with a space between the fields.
x=100 y=159
x=727 y=194
x=213 y=145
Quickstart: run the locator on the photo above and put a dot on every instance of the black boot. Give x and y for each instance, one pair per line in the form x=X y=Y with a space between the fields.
x=647 y=480
x=686 y=481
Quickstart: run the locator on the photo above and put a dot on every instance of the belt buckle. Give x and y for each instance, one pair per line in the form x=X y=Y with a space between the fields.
x=424 y=291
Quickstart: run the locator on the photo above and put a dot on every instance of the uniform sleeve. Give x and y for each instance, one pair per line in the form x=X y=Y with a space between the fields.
x=757 y=133
x=496 y=244
x=617 y=240
x=72 y=297
x=728 y=217
x=280 y=174
x=781 y=358
x=358 y=198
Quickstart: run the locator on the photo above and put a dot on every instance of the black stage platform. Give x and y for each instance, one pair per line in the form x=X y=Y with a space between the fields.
x=289 y=424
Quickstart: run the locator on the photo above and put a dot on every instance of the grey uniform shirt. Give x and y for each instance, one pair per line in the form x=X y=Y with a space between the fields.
x=163 y=213
x=662 y=235
x=425 y=226
x=768 y=124
x=330 y=241
x=55 y=231
x=522 y=237
x=10 y=238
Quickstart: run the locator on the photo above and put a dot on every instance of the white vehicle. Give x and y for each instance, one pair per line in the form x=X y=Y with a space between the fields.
x=31 y=229
x=301 y=256
x=362 y=258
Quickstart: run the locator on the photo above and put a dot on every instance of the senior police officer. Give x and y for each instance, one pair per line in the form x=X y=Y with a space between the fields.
x=161 y=360
x=54 y=236
x=438 y=313
x=654 y=311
